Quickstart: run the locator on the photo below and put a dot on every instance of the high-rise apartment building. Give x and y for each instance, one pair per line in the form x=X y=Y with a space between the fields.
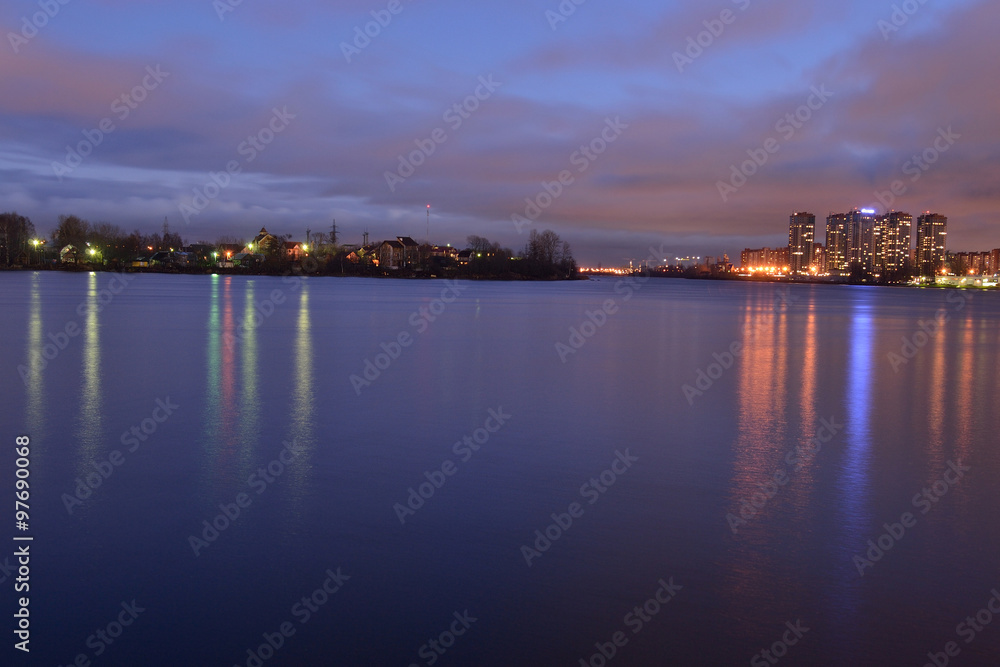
x=852 y=240
x=836 y=244
x=862 y=240
x=932 y=236
x=893 y=233
x=761 y=258
x=801 y=235
x=819 y=258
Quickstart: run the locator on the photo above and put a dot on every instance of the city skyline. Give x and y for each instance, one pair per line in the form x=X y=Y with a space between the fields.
x=493 y=115
x=863 y=241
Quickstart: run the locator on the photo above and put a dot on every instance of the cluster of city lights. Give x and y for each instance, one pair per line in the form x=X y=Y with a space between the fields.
x=607 y=272
x=769 y=270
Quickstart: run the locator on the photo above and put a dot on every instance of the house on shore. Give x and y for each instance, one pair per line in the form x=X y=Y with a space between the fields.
x=411 y=251
x=69 y=254
x=390 y=255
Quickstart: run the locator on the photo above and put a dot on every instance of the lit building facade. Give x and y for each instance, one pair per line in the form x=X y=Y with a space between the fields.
x=893 y=233
x=862 y=240
x=801 y=240
x=819 y=258
x=761 y=258
x=836 y=244
x=932 y=242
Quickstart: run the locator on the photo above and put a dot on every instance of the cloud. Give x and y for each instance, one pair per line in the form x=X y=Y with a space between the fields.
x=659 y=179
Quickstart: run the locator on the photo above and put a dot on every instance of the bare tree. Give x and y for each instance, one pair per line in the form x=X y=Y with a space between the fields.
x=71 y=231
x=481 y=244
x=16 y=232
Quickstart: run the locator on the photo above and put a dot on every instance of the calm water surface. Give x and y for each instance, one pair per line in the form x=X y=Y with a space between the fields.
x=244 y=365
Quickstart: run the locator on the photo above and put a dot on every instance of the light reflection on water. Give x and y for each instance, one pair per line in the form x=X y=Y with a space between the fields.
x=250 y=382
x=90 y=432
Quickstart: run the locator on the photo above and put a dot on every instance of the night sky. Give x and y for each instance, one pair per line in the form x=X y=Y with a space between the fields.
x=553 y=83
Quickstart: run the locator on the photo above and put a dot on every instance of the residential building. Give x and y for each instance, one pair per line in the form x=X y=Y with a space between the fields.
x=819 y=259
x=411 y=251
x=932 y=236
x=894 y=231
x=294 y=251
x=836 y=244
x=862 y=240
x=764 y=258
x=390 y=254
x=801 y=239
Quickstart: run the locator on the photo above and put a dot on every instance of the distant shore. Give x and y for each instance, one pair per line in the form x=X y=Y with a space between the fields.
x=406 y=274
x=400 y=274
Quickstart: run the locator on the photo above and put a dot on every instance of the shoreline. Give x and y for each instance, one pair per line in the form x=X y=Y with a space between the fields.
x=453 y=275
x=297 y=271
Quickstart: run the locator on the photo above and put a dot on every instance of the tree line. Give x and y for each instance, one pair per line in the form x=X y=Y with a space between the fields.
x=544 y=256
